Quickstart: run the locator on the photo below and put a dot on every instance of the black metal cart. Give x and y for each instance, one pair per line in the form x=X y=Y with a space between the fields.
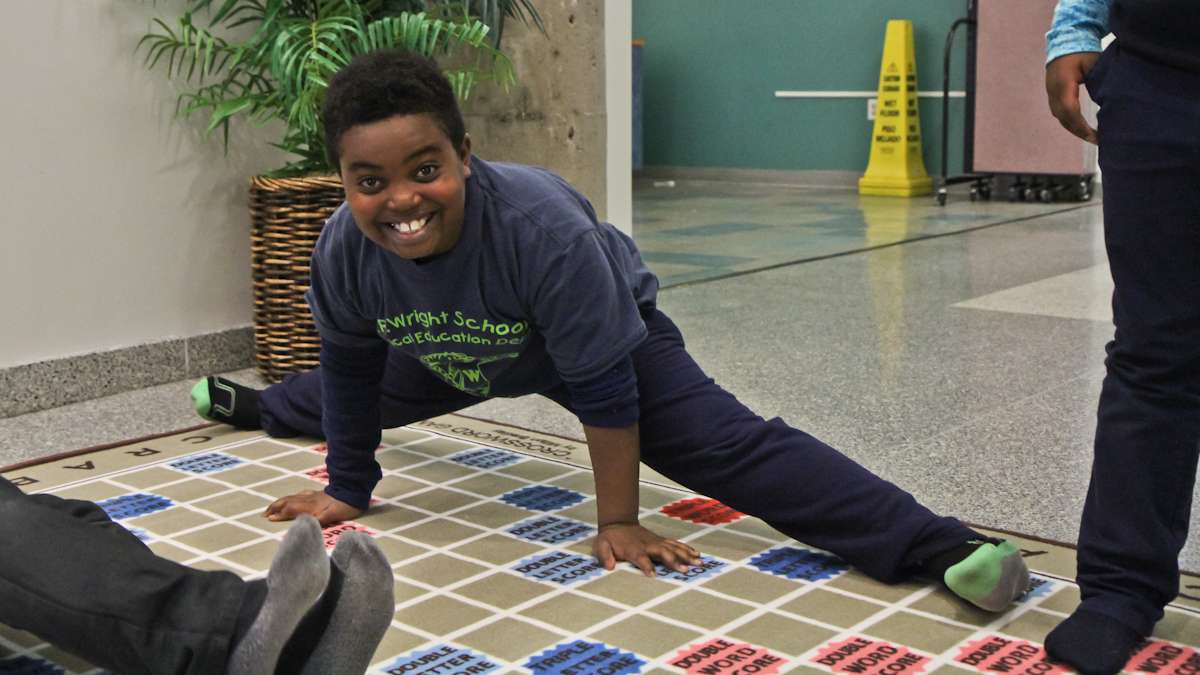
x=1029 y=185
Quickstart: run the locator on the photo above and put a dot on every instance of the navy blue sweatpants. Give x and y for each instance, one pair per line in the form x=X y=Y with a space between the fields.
x=1135 y=519
x=699 y=435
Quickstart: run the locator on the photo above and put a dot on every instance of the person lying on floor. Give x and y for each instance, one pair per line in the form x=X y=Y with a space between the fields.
x=76 y=579
x=445 y=279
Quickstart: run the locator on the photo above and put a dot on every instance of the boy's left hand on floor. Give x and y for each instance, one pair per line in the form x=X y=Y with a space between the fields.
x=633 y=543
x=319 y=505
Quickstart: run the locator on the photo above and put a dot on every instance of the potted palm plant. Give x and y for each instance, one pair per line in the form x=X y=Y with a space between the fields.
x=270 y=61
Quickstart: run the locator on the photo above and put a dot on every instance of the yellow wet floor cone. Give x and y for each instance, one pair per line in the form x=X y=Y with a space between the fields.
x=896 y=168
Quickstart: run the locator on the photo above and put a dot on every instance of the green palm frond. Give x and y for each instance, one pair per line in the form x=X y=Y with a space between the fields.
x=186 y=47
x=493 y=13
x=282 y=69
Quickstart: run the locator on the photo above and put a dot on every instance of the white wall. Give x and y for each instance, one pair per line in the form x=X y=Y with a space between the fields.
x=618 y=90
x=120 y=225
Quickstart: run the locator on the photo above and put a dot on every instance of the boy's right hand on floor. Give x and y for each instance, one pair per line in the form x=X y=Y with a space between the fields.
x=319 y=505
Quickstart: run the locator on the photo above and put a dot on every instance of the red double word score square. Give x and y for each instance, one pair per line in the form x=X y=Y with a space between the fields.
x=702 y=511
x=319 y=474
x=996 y=654
x=1163 y=657
x=335 y=532
x=864 y=656
x=323 y=448
x=722 y=657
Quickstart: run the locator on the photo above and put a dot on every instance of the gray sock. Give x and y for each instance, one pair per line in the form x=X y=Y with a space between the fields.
x=298 y=575
x=362 y=611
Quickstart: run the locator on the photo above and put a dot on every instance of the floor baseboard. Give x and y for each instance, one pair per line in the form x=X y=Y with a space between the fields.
x=49 y=384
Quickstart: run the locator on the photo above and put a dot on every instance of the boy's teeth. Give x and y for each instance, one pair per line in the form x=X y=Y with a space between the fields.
x=412 y=226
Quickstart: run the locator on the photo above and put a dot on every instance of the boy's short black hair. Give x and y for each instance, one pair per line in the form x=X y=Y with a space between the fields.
x=380 y=84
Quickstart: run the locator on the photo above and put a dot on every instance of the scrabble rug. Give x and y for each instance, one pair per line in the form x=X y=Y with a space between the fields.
x=488 y=526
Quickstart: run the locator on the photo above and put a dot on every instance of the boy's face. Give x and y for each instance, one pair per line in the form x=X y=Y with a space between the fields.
x=406 y=184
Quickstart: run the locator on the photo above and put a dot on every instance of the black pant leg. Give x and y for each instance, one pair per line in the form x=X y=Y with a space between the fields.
x=101 y=594
x=84 y=511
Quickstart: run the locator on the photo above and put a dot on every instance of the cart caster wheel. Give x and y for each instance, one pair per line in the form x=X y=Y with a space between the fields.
x=974 y=194
x=1014 y=194
x=1084 y=191
x=1046 y=195
x=941 y=196
x=985 y=193
x=1030 y=194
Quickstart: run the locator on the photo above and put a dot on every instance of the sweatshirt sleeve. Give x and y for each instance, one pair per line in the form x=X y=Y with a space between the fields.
x=609 y=399
x=353 y=358
x=584 y=308
x=350 y=418
x=333 y=289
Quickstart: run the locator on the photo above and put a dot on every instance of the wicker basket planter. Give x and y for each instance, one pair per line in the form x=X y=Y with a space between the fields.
x=287 y=215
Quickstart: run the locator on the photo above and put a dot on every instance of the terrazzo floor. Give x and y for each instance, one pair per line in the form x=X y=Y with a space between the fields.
x=956 y=351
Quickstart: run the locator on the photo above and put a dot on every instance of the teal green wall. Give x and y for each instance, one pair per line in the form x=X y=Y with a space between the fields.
x=711 y=69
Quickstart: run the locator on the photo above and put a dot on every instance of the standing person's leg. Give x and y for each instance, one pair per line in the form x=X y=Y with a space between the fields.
x=409 y=392
x=1135 y=519
x=103 y=595
x=701 y=436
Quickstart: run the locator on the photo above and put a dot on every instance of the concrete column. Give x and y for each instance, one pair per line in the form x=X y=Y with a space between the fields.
x=618 y=94
x=555 y=116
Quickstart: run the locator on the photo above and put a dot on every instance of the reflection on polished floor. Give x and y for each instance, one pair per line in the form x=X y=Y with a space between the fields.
x=691 y=230
x=963 y=364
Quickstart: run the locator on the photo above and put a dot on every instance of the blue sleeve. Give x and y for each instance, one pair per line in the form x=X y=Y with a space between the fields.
x=352 y=359
x=333 y=294
x=584 y=308
x=350 y=418
x=1078 y=26
x=609 y=400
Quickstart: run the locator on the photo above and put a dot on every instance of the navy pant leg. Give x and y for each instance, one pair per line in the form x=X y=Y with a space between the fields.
x=409 y=393
x=86 y=585
x=701 y=436
x=1135 y=519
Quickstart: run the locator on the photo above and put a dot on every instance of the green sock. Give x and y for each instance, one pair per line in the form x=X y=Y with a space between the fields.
x=222 y=400
x=991 y=577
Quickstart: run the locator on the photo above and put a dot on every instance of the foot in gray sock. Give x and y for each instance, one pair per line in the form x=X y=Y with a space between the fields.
x=362 y=610
x=299 y=574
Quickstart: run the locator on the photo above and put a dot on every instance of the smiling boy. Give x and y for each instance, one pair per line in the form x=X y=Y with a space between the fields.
x=445 y=279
